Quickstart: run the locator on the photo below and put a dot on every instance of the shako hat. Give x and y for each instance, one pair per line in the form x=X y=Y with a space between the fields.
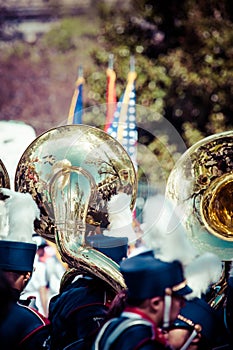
x=147 y=277
x=113 y=247
x=17 y=249
x=17 y=256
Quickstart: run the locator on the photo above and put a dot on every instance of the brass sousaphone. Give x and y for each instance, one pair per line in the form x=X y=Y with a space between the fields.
x=201 y=185
x=72 y=171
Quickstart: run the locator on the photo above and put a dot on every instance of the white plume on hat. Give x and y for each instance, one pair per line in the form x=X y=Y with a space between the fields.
x=165 y=234
x=202 y=272
x=120 y=217
x=21 y=211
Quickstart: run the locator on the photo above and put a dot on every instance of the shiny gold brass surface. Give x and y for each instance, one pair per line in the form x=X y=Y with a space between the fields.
x=201 y=185
x=72 y=172
x=4 y=176
x=217 y=207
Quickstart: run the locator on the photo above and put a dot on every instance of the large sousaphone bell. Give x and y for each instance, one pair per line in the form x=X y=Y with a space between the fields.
x=72 y=172
x=201 y=185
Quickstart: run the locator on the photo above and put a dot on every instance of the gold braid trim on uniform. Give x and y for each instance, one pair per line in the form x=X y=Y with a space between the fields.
x=197 y=327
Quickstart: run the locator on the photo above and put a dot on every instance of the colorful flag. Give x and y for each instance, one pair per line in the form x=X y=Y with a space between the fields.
x=123 y=126
x=76 y=106
x=111 y=93
x=127 y=133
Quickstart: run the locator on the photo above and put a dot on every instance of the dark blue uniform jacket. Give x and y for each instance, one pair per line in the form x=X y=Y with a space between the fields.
x=23 y=328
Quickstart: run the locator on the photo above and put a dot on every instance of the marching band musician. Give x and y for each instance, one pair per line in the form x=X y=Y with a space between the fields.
x=203 y=272
x=72 y=180
x=78 y=311
x=155 y=293
x=22 y=327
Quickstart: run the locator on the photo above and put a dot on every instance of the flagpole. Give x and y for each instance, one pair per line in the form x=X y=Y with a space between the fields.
x=132 y=64
x=111 y=61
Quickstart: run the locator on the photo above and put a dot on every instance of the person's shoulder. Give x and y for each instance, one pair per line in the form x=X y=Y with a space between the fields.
x=77 y=296
x=30 y=315
x=129 y=333
x=23 y=325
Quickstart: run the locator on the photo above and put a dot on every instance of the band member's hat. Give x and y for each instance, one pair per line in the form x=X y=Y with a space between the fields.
x=113 y=247
x=17 y=256
x=147 y=277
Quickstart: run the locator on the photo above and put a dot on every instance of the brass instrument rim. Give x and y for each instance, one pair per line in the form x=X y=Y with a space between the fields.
x=207 y=210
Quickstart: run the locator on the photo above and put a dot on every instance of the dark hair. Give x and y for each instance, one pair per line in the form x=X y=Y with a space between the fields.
x=117 y=306
x=119 y=303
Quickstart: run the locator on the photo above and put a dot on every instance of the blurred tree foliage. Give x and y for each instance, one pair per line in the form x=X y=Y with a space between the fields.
x=184 y=58
x=184 y=61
